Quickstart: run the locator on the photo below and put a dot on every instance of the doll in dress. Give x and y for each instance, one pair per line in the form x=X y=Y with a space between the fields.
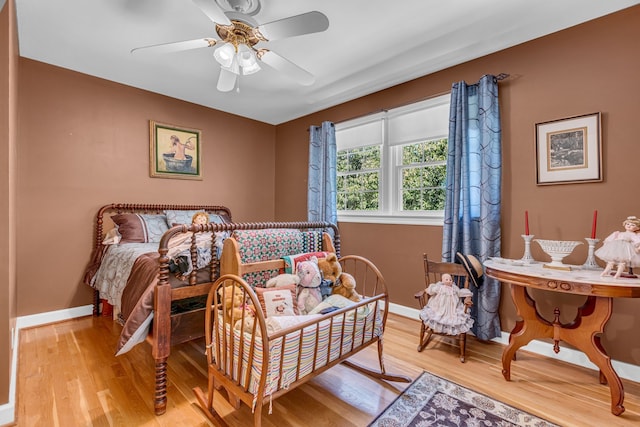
x=445 y=312
x=622 y=248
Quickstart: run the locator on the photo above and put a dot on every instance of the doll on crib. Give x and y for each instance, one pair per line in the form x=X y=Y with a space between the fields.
x=622 y=248
x=445 y=312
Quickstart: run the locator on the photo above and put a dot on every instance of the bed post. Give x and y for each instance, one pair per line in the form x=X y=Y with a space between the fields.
x=96 y=257
x=161 y=343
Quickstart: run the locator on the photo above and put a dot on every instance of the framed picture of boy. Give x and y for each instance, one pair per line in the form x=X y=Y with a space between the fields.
x=174 y=152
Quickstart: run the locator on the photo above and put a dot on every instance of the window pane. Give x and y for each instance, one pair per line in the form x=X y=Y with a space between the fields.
x=358 y=178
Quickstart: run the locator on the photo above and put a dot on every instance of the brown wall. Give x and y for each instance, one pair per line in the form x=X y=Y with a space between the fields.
x=585 y=69
x=8 y=100
x=84 y=142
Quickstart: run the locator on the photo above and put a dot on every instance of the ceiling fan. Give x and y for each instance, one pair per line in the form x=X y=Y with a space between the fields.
x=239 y=34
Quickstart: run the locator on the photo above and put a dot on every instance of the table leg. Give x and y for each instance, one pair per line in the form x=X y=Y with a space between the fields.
x=530 y=327
x=584 y=334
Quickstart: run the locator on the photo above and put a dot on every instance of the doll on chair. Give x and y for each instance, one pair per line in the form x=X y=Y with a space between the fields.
x=444 y=312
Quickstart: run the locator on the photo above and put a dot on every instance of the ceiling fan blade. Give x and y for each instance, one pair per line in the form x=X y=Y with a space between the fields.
x=287 y=67
x=306 y=23
x=176 y=46
x=226 y=80
x=213 y=11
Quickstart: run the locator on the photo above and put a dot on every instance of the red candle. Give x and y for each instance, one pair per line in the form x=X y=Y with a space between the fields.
x=593 y=227
x=526 y=222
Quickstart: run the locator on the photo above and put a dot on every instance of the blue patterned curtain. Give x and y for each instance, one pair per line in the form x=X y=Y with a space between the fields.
x=472 y=205
x=321 y=197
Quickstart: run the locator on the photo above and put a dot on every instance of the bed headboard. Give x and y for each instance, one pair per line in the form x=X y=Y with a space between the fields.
x=106 y=211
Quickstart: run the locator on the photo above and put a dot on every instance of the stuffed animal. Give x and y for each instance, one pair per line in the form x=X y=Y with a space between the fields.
x=233 y=306
x=331 y=270
x=309 y=286
x=232 y=301
x=346 y=286
x=330 y=267
x=283 y=280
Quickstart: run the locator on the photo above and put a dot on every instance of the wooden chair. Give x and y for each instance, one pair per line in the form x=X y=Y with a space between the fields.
x=433 y=272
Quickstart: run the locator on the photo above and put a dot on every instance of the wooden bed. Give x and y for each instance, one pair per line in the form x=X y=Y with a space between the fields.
x=257 y=358
x=158 y=291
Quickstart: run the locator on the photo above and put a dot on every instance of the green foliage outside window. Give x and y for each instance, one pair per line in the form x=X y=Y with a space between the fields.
x=358 y=180
x=424 y=172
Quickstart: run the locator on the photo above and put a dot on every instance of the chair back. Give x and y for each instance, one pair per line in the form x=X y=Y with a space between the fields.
x=434 y=270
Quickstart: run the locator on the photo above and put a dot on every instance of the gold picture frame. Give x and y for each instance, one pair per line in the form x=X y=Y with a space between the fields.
x=569 y=150
x=175 y=152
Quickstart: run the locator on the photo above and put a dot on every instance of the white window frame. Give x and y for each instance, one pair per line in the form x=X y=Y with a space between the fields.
x=392 y=140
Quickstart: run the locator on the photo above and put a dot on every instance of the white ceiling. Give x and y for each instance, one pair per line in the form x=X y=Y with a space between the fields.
x=370 y=45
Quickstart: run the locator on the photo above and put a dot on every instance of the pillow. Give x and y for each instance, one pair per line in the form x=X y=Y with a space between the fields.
x=278 y=301
x=140 y=228
x=175 y=217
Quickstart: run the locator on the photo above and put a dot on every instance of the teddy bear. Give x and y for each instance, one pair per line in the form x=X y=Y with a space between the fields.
x=331 y=270
x=346 y=286
x=233 y=302
x=342 y=283
x=309 y=294
x=330 y=267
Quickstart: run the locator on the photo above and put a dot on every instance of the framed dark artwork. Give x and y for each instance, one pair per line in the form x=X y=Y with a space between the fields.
x=569 y=150
x=175 y=152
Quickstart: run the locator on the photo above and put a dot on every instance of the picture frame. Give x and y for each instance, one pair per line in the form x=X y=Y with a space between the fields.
x=175 y=152
x=569 y=150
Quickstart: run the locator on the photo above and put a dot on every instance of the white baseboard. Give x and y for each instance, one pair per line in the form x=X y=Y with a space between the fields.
x=53 y=316
x=576 y=357
x=8 y=410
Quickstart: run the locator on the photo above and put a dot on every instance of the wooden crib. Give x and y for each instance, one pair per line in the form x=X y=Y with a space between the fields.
x=257 y=358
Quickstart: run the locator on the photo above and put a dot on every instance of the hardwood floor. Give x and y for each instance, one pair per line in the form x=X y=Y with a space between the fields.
x=68 y=376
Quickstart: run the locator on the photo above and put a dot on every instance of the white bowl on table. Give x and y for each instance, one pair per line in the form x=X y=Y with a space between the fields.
x=557 y=250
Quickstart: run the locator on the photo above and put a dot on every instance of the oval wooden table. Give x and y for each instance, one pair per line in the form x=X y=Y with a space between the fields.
x=583 y=332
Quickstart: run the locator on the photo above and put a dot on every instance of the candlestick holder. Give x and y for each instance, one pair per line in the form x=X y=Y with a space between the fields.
x=590 y=263
x=527 y=258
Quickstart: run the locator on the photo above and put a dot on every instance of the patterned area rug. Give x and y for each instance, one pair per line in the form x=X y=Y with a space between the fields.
x=434 y=401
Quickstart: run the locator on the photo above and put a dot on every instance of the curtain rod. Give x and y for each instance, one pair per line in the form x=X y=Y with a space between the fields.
x=499 y=77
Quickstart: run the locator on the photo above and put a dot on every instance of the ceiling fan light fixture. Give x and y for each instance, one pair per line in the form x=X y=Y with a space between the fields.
x=225 y=54
x=247 y=60
x=252 y=68
x=234 y=67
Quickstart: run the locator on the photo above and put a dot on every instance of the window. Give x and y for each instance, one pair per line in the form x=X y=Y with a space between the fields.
x=391 y=166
